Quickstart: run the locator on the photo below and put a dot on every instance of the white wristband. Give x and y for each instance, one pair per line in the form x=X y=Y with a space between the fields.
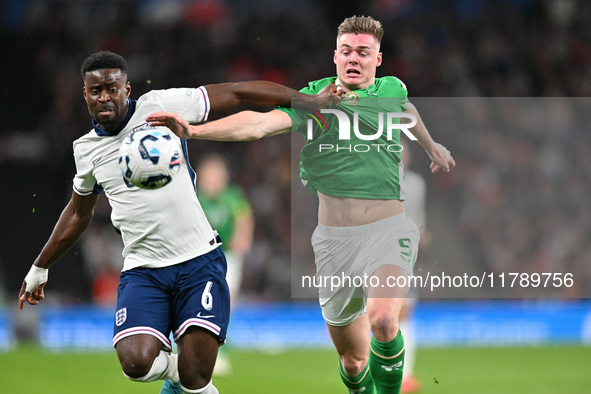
x=36 y=277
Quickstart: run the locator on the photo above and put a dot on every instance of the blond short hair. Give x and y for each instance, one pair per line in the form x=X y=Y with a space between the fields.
x=361 y=25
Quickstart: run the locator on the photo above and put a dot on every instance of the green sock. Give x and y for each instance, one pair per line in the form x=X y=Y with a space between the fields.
x=361 y=383
x=386 y=360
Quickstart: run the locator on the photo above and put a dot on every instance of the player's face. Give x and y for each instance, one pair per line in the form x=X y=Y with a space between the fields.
x=212 y=177
x=357 y=56
x=106 y=93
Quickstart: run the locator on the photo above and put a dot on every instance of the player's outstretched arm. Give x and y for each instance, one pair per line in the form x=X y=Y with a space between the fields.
x=74 y=219
x=267 y=94
x=440 y=156
x=243 y=126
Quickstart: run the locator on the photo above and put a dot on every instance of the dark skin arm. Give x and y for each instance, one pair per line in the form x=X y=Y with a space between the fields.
x=266 y=94
x=70 y=226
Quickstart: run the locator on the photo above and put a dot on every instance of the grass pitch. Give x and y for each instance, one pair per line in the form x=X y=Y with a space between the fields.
x=519 y=370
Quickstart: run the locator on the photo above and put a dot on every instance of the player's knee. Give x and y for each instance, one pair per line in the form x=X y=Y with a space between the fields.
x=137 y=354
x=194 y=375
x=136 y=365
x=384 y=326
x=353 y=366
x=135 y=369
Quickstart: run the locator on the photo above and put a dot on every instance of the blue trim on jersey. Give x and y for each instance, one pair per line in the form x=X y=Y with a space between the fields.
x=102 y=133
x=192 y=173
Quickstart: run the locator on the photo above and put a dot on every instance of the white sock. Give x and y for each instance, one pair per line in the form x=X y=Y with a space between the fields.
x=410 y=345
x=208 y=389
x=164 y=367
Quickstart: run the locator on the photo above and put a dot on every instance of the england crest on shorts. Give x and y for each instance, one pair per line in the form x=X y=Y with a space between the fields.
x=120 y=316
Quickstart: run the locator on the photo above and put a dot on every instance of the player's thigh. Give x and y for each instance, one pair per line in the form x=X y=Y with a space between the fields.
x=203 y=297
x=352 y=340
x=143 y=305
x=384 y=304
x=389 y=281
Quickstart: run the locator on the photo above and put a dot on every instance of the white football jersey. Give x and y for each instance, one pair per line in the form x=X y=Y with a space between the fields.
x=160 y=227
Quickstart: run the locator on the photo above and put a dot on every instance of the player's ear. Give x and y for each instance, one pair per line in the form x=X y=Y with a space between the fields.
x=128 y=89
x=379 y=59
x=334 y=58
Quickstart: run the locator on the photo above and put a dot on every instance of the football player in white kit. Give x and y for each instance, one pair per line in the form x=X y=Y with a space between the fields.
x=173 y=277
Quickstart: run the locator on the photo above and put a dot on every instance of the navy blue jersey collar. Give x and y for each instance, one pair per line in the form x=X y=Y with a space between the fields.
x=103 y=133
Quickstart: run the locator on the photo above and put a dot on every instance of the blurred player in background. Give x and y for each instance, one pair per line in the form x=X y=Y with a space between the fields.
x=229 y=212
x=414 y=206
x=362 y=227
x=174 y=273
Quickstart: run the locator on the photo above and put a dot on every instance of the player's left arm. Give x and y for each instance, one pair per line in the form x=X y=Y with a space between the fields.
x=243 y=126
x=70 y=226
x=267 y=94
x=440 y=156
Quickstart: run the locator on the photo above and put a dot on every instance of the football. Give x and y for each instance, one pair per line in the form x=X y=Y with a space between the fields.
x=149 y=158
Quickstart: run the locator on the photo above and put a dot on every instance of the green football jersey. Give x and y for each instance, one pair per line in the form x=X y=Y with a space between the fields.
x=353 y=149
x=222 y=211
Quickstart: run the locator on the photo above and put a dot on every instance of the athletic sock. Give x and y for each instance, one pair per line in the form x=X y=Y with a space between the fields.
x=386 y=361
x=164 y=367
x=362 y=383
x=208 y=389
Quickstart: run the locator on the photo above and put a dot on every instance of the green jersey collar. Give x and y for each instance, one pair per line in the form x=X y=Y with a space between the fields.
x=363 y=92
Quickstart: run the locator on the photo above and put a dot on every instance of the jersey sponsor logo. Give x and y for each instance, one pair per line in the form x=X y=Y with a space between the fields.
x=204 y=316
x=120 y=316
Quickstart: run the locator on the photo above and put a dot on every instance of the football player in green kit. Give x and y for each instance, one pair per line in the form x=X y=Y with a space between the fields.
x=358 y=178
x=228 y=210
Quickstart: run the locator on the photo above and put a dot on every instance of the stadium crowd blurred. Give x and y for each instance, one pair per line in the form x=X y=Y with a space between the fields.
x=516 y=202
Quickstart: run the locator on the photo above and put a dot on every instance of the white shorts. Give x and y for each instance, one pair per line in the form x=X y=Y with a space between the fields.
x=235 y=269
x=346 y=255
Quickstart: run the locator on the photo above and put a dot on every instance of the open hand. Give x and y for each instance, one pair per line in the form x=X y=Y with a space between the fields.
x=174 y=122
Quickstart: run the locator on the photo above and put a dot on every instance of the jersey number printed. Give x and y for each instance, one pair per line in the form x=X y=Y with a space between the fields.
x=406 y=252
x=206 y=297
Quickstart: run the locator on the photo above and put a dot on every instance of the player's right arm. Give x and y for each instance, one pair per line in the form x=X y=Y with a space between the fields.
x=243 y=126
x=74 y=219
x=267 y=94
